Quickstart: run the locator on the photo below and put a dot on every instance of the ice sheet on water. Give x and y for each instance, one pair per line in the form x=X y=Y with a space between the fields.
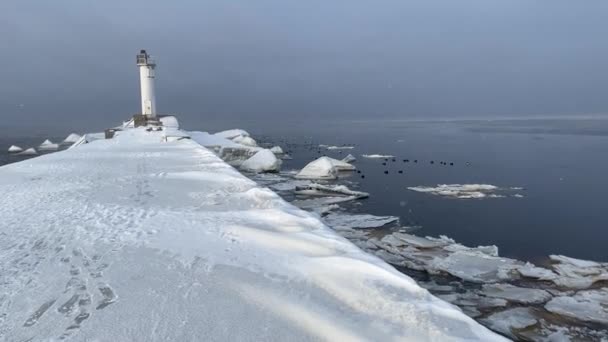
x=48 y=145
x=508 y=320
x=516 y=294
x=324 y=168
x=377 y=156
x=28 y=152
x=349 y=158
x=587 y=305
x=357 y=221
x=313 y=203
x=314 y=189
x=340 y=147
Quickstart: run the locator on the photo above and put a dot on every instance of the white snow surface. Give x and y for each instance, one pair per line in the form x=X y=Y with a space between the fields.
x=15 y=149
x=262 y=161
x=72 y=138
x=245 y=141
x=164 y=241
x=277 y=150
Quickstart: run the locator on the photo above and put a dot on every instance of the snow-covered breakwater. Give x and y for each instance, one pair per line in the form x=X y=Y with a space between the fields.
x=150 y=236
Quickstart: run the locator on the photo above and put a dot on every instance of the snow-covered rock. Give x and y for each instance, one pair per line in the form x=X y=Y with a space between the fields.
x=72 y=138
x=262 y=161
x=28 y=152
x=15 y=149
x=277 y=150
x=349 y=159
x=246 y=141
x=48 y=145
x=324 y=168
x=521 y=295
x=588 y=305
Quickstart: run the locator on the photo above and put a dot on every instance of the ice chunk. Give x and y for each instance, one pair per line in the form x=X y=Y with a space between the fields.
x=474 y=266
x=349 y=158
x=262 y=161
x=232 y=133
x=530 y=271
x=314 y=189
x=277 y=150
x=321 y=168
x=48 y=145
x=505 y=321
x=246 y=141
x=15 y=149
x=364 y=221
x=417 y=241
x=377 y=156
x=589 y=306
x=28 y=152
x=576 y=273
x=516 y=294
x=322 y=201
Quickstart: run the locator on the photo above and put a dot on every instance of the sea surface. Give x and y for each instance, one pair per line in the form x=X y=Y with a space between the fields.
x=558 y=165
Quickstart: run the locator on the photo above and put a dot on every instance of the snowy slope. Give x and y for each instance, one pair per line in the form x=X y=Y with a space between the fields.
x=134 y=239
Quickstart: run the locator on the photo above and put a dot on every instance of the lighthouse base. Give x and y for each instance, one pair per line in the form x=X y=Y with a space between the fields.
x=145 y=120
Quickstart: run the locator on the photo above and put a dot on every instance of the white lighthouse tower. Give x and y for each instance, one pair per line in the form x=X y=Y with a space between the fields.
x=146 y=75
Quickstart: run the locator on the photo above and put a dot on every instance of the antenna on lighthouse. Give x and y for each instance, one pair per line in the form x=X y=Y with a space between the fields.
x=146 y=76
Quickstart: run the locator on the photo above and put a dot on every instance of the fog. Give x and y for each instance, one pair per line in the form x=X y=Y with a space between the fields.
x=73 y=62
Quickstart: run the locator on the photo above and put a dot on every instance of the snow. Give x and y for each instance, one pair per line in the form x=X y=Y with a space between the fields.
x=72 y=138
x=277 y=150
x=15 y=149
x=363 y=221
x=169 y=121
x=377 y=156
x=349 y=159
x=516 y=294
x=516 y=318
x=589 y=305
x=28 y=152
x=48 y=145
x=262 y=161
x=164 y=241
x=464 y=191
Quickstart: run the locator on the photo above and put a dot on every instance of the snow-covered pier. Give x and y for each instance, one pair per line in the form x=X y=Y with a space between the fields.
x=146 y=238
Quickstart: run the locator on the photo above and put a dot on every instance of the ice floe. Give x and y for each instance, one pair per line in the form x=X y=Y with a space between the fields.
x=587 y=305
x=48 y=145
x=262 y=161
x=357 y=221
x=246 y=141
x=232 y=133
x=516 y=294
x=313 y=189
x=15 y=149
x=377 y=156
x=324 y=168
x=464 y=191
x=340 y=147
x=506 y=321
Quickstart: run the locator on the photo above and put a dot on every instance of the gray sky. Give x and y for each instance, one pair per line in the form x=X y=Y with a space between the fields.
x=72 y=61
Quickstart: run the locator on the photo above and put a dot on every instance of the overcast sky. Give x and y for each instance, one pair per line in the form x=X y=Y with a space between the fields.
x=74 y=60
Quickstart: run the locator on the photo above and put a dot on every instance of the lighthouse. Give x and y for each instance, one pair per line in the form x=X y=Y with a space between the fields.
x=146 y=76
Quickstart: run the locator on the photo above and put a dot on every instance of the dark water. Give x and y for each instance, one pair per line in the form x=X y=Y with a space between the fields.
x=561 y=164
